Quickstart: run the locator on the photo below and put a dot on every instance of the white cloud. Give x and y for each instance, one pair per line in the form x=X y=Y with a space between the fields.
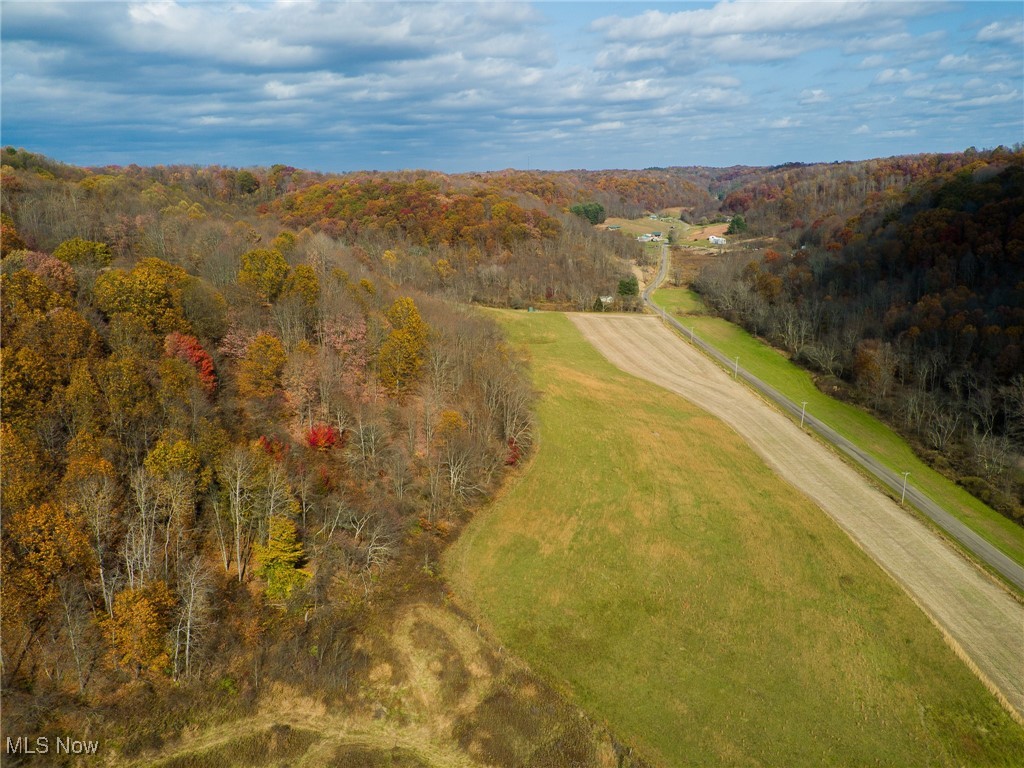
x=430 y=82
x=991 y=99
x=752 y=17
x=636 y=90
x=1009 y=31
x=902 y=75
x=951 y=62
x=814 y=96
x=612 y=125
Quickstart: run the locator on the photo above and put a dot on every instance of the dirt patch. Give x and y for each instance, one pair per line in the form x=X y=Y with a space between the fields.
x=277 y=745
x=978 y=618
x=698 y=233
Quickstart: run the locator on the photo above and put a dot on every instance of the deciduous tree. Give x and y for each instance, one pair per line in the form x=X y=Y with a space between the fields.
x=401 y=355
x=259 y=372
x=280 y=558
x=265 y=271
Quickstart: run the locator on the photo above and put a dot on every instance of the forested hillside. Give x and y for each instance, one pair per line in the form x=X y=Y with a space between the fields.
x=244 y=410
x=908 y=286
x=242 y=416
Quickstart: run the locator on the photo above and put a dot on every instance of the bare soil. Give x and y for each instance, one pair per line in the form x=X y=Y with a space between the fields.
x=698 y=233
x=448 y=697
x=982 y=622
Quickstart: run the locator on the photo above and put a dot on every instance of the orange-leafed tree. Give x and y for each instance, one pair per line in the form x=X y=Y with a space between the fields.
x=43 y=545
x=138 y=631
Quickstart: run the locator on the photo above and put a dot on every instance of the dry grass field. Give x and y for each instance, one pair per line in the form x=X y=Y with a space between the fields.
x=649 y=560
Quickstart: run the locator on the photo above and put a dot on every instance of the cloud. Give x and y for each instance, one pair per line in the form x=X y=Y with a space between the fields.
x=753 y=17
x=814 y=96
x=902 y=75
x=1007 y=31
x=476 y=85
x=612 y=125
x=951 y=62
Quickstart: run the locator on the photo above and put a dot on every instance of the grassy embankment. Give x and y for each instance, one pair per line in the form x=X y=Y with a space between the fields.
x=851 y=422
x=685 y=595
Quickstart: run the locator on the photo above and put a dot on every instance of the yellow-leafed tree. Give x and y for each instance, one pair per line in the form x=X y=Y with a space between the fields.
x=259 y=373
x=265 y=271
x=280 y=558
x=401 y=354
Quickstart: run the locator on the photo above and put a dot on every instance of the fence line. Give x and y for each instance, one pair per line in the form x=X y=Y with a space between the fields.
x=969 y=539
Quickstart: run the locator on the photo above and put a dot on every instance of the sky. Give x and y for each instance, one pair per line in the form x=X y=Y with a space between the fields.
x=457 y=87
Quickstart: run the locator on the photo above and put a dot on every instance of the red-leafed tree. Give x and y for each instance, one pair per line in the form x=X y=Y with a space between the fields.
x=188 y=349
x=322 y=437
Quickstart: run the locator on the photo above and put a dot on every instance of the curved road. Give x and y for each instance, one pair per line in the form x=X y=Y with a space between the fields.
x=982 y=621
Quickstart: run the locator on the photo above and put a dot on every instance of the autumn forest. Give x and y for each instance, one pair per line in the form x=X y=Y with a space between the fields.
x=245 y=410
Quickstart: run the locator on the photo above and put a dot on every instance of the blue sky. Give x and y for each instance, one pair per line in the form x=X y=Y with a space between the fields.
x=463 y=86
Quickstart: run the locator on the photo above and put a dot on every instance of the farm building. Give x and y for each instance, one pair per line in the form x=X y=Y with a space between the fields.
x=715 y=240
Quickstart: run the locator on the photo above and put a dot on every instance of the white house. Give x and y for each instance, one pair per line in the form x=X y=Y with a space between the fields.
x=716 y=240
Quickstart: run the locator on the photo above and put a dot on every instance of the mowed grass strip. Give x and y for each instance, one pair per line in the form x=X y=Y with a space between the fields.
x=684 y=594
x=851 y=422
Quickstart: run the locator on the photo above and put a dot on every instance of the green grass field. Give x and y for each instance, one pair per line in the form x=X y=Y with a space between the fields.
x=649 y=561
x=851 y=422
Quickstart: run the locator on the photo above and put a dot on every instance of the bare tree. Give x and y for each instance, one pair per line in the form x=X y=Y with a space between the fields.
x=240 y=472
x=194 y=605
x=140 y=538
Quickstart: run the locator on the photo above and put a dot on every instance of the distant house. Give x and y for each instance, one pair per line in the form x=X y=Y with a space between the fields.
x=655 y=234
x=644 y=238
x=606 y=300
x=614 y=226
x=715 y=240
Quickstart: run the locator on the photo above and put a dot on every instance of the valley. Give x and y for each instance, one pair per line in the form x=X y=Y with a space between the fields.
x=674 y=587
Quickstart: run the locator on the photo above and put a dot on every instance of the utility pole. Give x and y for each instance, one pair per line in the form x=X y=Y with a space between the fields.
x=803 y=412
x=736 y=368
x=904 y=494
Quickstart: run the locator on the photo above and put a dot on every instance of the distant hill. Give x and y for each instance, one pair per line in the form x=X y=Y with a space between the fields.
x=904 y=278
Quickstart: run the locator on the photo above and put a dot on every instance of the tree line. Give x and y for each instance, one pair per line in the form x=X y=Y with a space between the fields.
x=918 y=307
x=222 y=438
